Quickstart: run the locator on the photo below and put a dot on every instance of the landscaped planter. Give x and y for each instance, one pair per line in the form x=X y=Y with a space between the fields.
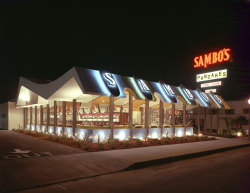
x=101 y=145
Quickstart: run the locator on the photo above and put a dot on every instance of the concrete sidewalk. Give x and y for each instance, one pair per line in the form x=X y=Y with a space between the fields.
x=35 y=172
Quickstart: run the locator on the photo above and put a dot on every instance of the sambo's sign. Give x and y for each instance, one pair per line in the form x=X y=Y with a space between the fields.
x=203 y=61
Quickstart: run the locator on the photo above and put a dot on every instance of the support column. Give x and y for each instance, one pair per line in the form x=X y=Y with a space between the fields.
x=55 y=116
x=130 y=114
x=24 y=118
x=30 y=118
x=35 y=117
x=184 y=119
x=48 y=118
x=142 y=112
x=173 y=118
x=41 y=117
x=205 y=120
x=211 y=119
x=63 y=117
x=74 y=118
x=111 y=116
x=147 y=117
x=199 y=129
x=161 y=117
x=218 y=120
x=248 y=123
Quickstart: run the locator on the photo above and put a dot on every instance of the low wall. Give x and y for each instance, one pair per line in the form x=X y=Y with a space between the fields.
x=95 y=135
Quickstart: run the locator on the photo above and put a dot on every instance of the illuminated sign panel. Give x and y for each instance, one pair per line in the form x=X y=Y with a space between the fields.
x=210 y=84
x=211 y=75
x=169 y=91
x=203 y=61
x=187 y=95
x=110 y=83
x=204 y=96
x=144 y=88
x=211 y=90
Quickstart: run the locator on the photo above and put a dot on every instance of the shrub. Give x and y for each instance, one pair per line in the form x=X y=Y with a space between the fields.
x=111 y=146
x=138 y=141
x=86 y=148
x=101 y=146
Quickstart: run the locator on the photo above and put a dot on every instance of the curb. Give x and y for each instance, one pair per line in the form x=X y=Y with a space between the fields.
x=144 y=164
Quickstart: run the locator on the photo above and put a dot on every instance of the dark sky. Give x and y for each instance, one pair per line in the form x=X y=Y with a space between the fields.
x=156 y=40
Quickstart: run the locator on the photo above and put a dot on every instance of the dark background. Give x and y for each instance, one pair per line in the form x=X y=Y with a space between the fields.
x=152 y=40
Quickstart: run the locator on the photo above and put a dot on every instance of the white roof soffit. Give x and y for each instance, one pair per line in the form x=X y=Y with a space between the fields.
x=49 y=90
x=26 y=98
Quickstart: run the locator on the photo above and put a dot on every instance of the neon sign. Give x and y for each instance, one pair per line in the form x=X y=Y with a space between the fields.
x=188 y=93
x=212 y=58
x=144 y=89
x=204 y=96
x=169 y=91
x=110 y=79
x=110 y=83
x=210 y=84
x=211 y=75
x=211 y=90
x=143 y=85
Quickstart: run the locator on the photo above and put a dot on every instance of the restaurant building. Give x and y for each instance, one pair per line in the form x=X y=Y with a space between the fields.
x=95 y=105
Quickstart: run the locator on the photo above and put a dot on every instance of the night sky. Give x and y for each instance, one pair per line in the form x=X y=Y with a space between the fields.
x=155 y=41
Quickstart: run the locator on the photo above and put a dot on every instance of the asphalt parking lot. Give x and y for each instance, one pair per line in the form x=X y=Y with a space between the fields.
x=19 y=146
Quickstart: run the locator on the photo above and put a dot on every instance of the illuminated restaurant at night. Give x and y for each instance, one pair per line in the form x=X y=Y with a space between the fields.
x=91 y=104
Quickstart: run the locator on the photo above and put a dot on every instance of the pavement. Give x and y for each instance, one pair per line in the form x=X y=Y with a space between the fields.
x=26 y=172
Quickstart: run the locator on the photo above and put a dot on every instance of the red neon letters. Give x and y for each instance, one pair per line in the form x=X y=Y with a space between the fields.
x=212 y=58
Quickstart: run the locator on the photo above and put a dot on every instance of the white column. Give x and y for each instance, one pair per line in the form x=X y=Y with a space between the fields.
x=74 y=118
x=218 y=120
x=35 y=117
x=41 y=117
x=147 y=117
x=130 y=114
x=55 y=116
x=30 y=118
x=63 y=117
x=111 y=116
x=24 y=118
x=161 y=116
x=184 y=119
x=173 y=118
x=48 y=118
x=199 y=130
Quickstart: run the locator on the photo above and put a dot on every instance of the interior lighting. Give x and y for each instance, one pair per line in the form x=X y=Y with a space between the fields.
x=25 y=97
x=179 y=133
x=121 y=135
x=239 y=134
x=188 y=133
x=154 y=135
